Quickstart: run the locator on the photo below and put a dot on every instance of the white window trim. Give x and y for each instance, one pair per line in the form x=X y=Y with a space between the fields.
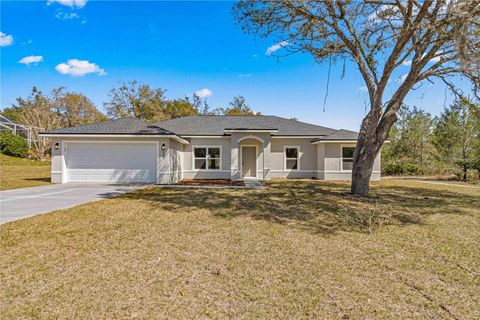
x=206 y=146
x=256 y=160
x=341 y=156
x=299 y=154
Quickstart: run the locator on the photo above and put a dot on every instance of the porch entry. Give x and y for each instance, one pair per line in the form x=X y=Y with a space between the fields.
x=249 y=161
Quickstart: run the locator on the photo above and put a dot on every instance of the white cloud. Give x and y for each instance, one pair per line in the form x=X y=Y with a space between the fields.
x=434 y=60
x=276 y=47
x=364 y=88
x=203 y=93
x=402 y=78
x=5 y=39
x=407 y=63
x=69 y=3
x=31 y=59
x=79 y=68
x=244 y=75
x=66 y=16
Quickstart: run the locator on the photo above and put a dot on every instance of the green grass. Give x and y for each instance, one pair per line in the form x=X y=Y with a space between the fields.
x=23 y=173
x=297 y=249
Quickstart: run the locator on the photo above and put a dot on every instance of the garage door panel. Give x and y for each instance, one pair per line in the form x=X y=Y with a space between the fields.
x=111 y=162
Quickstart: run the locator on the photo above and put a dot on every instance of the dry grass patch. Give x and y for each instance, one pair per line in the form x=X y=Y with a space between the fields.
x=297 y=249
x=22 y=173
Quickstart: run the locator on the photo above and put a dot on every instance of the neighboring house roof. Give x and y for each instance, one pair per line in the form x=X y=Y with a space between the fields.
x=216 y=125
x=120 y=126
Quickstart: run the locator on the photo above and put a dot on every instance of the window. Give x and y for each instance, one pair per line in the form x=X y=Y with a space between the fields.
x=347 y=158
x=291 y=158
x=206 y=158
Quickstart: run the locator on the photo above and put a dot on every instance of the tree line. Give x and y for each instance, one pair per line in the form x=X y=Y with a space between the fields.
x=421 y=144
x=62 y=108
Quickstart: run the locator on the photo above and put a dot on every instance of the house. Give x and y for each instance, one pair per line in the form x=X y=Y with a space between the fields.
x=129 y=150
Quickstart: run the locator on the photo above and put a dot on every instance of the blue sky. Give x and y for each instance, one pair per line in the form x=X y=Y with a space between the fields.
x=179 y=46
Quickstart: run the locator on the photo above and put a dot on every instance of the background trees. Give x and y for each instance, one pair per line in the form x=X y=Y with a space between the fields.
x=37 y=112
x=143 y=102
x=136 y=100
x=74 y=108
x=237 y=107
x=435 y=37
x=410 y=150
x=421 y=144
x=44 y=113
x=457 y=136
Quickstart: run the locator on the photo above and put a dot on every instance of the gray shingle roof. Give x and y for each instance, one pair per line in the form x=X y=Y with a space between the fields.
x=116 y=126
x=215 y=125
x=341 y=134
x=210 y=126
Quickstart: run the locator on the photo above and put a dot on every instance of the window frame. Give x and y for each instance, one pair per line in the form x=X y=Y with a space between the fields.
x=342 y=158
x=285 y=157
x=207 y=158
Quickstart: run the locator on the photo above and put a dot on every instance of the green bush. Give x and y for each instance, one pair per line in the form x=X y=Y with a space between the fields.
x=398 y=169
x=13 y=145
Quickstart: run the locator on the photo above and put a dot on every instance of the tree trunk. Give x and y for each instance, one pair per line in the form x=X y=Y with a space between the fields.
x=370 y=139
x=362 y=169
x=465 y=170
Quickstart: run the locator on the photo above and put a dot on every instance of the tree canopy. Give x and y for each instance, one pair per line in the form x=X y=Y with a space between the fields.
x=237 y=107
x=421 y=40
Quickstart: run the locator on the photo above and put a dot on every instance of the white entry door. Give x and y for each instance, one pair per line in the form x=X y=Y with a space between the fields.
x=111 y=162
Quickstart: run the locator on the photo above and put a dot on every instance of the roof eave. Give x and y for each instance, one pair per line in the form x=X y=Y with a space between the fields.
x=250 y=130
x=112 y=135
x=335 y=141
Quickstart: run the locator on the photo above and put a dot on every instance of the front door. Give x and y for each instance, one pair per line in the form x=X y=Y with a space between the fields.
x=249 y=162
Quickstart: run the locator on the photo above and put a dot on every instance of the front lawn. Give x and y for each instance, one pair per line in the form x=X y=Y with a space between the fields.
x=23 y=173
x=297 y=249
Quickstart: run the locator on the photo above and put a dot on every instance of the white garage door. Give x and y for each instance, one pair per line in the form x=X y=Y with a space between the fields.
x=111 y=162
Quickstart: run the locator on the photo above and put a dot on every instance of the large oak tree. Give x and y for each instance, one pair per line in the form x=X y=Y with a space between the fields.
x=430 y=40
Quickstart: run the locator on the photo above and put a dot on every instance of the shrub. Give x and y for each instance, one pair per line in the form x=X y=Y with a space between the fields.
x=397 y=169
x=13 y=145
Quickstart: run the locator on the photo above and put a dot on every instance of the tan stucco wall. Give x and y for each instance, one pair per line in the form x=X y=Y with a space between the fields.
x=308 y=158
x=322 y=161
x=263 y=140
x=223 y=173
x=175 y=152
x=332 y=164
x=259 y=160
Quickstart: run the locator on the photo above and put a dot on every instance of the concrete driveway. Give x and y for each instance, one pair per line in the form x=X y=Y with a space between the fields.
x=22 y=203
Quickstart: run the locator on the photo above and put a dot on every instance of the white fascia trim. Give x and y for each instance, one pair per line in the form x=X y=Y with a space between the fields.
x=252 y=130
x=205 y=170
x=296 y=137
x=335 y=141
x=208 y=137
x=61 y=135
x=292 y=171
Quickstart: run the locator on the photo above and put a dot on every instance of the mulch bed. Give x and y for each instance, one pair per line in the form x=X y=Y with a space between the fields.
x=211 y=182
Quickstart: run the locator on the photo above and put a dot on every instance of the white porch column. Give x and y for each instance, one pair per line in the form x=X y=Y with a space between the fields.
x=234 y=158
x=267 y=152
